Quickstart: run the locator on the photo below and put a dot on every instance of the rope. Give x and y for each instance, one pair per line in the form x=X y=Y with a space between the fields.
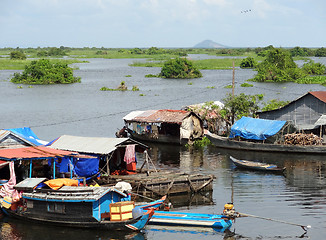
x=304 y=227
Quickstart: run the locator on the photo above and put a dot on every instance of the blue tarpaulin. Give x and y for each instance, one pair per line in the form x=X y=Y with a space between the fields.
x=28 y=134
x=86 y=167
x=255 y=128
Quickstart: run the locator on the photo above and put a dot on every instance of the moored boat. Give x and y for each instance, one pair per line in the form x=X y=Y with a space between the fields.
x=163 y=126
x=191 y=219
x=256 y=165
x=76 y=206
x=228 y=143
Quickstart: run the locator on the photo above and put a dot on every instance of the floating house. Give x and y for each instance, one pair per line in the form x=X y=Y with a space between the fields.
x=111 y=154
x=164 y=126
x=116 y=161
x=307 y=113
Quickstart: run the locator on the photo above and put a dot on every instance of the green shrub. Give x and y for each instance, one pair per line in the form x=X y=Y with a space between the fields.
x=135 y=88
x=313 y=68
x=248 y=62
x=151 y=76
x=246 y=85
x=179 y=68
x=274 y=104
x=44 y=72
x=17 y=55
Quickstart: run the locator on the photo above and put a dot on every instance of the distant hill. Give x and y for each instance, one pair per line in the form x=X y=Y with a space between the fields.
x=209 y=44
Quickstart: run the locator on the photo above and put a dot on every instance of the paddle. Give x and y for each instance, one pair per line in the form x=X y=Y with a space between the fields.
x=304 y=227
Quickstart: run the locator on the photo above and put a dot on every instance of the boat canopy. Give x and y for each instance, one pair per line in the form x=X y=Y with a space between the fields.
x=255 y=128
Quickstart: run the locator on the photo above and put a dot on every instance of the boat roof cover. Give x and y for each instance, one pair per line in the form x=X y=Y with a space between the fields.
x=157 y=116
x=255 y=128
x=97 y=145
x=28 y=134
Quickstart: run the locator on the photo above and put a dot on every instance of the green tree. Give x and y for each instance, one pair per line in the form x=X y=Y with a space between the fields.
x=301 y=52
x=179 y=68
x=44 y=72
x=313 y=68
x=274 y=104
x=278 y=66
x=241 y=105
x=248 y=62
x=58 y=52
x=17 y=55
x=321 y=52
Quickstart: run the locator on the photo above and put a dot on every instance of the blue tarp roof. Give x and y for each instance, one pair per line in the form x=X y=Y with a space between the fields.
x=255 y=128
x=28 y=134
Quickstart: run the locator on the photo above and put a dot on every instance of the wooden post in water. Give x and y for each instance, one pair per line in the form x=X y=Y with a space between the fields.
x=233 y=79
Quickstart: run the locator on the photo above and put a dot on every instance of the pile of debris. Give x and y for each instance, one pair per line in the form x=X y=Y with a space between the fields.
x=302 y=139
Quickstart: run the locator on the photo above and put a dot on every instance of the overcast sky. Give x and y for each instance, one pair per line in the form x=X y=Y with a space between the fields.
x=162 y=23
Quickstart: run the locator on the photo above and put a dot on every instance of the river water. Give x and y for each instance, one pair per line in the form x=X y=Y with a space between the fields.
x=81 y=109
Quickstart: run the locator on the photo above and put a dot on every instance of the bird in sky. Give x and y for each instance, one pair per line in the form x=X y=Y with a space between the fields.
x=246 y=11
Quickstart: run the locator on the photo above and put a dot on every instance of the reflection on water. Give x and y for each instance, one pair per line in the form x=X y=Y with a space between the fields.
x=19 y=230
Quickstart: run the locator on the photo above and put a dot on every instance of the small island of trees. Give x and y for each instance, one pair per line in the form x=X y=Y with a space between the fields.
x=179 y=68
x=43 y=71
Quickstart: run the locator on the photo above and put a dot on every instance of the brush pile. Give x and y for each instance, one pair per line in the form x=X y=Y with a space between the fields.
x=302 y=139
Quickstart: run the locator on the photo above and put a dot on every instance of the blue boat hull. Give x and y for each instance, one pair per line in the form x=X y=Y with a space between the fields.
x=190 y=219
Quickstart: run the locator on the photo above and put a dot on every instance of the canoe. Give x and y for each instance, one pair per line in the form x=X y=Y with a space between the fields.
x=190 y=219
x=256 y=165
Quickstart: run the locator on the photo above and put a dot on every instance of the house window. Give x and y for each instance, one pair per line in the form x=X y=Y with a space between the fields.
x=56 y=208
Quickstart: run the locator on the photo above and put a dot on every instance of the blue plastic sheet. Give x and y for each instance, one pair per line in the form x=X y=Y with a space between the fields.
x=255 y=128
x=28 y=134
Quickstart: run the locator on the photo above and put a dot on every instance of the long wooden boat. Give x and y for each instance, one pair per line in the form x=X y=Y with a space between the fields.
x=190 y=219
x=256 y=165
x=71 y=206
x=163 y=182
x=225 y=142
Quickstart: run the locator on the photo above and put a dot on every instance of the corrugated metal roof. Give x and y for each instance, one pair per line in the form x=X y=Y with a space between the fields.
x=159 y=116
x=321 y=120
x=321 y=95
x=33 y=153
x=132 y=115
x=95 y=145
x=5 y=133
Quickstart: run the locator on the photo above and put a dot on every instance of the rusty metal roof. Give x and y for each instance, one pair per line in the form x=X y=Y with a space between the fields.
x=40 y=152
x=158 y=116
x=321 y=95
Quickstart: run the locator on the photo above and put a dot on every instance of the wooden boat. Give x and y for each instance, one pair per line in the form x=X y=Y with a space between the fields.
x=190 y=219
x=86 y=207
x=256 y=165
x=162 y=183
x=225 y=142
x=155 y=204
